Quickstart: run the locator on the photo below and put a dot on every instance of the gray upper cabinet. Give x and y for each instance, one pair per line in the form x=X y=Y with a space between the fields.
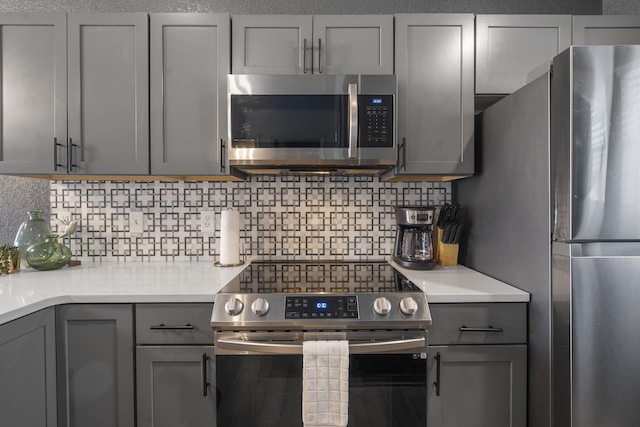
x=606 y=29
x=435 y=107
x=189 y=67
x=33 y=116
x=28 y=371
x=108 y=103
x=509 y=47
x=305 y=44
x=95 y=365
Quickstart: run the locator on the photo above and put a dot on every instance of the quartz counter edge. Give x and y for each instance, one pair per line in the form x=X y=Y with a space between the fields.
x=28 y=291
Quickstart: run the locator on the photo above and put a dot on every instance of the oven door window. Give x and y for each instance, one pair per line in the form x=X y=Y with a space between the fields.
x=266 y=390
x=289 y=121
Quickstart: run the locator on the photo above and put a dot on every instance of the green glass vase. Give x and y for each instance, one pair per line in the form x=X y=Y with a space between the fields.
x=32 y=231
x=48 y=255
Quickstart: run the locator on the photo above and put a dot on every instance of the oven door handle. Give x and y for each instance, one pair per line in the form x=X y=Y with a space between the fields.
x=375 y=347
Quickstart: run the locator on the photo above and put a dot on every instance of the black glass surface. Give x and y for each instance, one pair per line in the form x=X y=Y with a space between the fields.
x=320 y=277
x=289 y=121
x=266 y=391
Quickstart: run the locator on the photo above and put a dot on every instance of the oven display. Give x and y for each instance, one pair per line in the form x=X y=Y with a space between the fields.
x=321 y=307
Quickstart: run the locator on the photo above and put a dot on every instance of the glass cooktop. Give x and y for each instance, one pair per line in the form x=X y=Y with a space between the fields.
x=320 y=277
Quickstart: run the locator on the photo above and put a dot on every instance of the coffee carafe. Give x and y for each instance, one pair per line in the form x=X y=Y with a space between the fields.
x=414 y=245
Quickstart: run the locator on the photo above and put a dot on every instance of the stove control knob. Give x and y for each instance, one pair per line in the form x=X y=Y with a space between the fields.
x=260 y=307
x=382 y=306
x=233 y=307
x=408 y=306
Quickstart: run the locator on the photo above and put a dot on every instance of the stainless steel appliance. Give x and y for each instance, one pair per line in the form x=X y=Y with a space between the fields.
x=414 y=244
x=337 y=124
x=556 y=212
x=261 y=319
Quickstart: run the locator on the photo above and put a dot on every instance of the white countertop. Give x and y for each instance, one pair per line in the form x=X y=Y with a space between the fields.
x=138 y=282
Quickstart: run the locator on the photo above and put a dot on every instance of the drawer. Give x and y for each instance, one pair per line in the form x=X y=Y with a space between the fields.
x=188 y=323
x=478 y=323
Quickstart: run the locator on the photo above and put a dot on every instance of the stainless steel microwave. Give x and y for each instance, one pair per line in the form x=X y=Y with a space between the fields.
x=296 y=124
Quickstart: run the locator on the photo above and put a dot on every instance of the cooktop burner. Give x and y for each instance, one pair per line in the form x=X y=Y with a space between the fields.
x=320 y=277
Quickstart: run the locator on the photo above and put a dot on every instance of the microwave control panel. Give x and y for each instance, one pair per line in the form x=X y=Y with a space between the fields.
x=375 y=120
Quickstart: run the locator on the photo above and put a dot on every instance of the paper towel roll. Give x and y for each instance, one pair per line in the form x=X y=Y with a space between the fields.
x=230 y=237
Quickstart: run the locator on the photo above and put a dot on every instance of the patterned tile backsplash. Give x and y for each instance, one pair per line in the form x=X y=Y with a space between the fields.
x=291 y=218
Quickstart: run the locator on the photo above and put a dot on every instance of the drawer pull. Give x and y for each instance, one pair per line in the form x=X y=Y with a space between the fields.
x=205 y=383
x=165 y=327
x=464 y=328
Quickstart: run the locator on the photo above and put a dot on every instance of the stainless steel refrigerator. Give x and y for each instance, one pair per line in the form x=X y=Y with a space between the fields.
x=555 y=210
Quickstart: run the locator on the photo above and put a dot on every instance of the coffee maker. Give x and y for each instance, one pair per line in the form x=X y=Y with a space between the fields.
x=414 y=245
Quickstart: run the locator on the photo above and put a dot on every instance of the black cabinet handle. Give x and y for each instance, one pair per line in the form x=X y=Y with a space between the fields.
x=490 y=328
x=319 y=56
x=70 y=148
x=222 y=155
x=205 y=383
x=56 y=165
x=175 y=327
x=438 y=366
x=304 y=56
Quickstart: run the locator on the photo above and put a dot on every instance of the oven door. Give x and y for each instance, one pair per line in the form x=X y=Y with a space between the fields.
x=259 y=378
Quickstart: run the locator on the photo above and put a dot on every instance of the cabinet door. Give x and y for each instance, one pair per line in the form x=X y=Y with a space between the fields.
x=434 y=65
x=606 y=29
x=509 y=47
x=176 y=386
x=33 y=115
x=108 y=93
x=271 y=44
x=353 y=44
x=480 y=386
x=95 y=365
x=189 y=67
x=28 y=371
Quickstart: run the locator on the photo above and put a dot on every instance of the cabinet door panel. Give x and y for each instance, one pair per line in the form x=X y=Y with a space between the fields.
x=189 y=67
x=27 y=371
x=95 y=365
x=34 y=102
x=353 y=44
x=434 y=65
x=271 y=44
x=509 y=47
x=606 y=29
x=108 y=93
x=171 y=386
x=480 y=386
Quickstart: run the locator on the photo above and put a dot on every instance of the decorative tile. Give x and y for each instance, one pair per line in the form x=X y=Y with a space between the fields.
x=290 y=217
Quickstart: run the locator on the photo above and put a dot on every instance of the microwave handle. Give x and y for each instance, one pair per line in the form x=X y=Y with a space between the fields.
x=353 y=120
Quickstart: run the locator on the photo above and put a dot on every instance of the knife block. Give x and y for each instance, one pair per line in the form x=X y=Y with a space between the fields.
x=445 y=253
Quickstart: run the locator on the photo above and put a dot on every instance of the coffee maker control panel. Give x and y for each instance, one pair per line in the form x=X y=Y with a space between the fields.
x=415 y=216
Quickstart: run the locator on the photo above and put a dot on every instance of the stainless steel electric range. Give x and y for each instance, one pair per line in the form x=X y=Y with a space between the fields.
x=262 y=317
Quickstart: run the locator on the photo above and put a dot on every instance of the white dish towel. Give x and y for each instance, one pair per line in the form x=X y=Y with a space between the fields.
x=325 y=383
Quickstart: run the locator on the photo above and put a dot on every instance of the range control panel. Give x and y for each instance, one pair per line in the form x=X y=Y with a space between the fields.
x=321 y=307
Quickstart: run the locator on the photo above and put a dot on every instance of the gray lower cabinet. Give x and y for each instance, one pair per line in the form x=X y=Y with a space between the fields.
x=95 y=365
x=307 y=44
x=509 y=47
x=435 y=68
x=606 y=29
x=477 y=368
x=28 y=371
x=175 y=365
x=189 y=54
x=174 y=386
x=33 y=66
